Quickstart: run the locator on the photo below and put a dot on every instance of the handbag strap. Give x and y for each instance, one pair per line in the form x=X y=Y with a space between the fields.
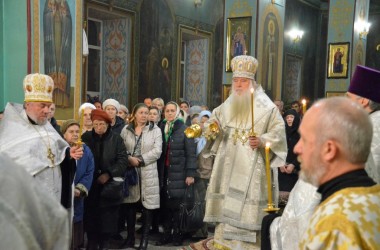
x=189 y=195
x=137 y=143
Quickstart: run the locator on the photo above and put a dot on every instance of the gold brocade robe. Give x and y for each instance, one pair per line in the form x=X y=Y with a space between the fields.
x=348 y=219
x=237 y=193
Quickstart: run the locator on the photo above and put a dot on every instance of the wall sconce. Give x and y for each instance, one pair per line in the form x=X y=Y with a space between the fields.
x=197 y=3
x=295 y=35
x=363 y=28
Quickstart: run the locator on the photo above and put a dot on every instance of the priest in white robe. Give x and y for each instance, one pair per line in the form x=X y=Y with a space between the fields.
x=30 y=141
x=238 y=192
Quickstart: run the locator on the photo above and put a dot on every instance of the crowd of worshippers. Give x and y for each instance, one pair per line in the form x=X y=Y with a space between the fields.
x=85 y=183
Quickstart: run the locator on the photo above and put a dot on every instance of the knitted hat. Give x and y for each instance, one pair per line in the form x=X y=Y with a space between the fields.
x=67 y=124
x=366 y=83
x=124 y=108
x=100 y=115
x=38 y=88
x=112 y=102
x=84 y=106
x=244 y=66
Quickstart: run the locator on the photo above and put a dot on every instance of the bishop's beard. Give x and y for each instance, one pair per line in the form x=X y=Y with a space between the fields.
x=240 y=108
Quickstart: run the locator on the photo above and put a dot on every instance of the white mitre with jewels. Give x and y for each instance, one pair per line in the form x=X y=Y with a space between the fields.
x=38 y=88
x=244 y=66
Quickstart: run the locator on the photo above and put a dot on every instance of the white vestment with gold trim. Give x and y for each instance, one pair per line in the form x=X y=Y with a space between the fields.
x=238 y=193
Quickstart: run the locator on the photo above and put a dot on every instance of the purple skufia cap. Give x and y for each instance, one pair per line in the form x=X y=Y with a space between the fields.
x=366 y=83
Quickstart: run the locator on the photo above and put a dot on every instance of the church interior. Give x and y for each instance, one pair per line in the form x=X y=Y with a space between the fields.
x=181 y=49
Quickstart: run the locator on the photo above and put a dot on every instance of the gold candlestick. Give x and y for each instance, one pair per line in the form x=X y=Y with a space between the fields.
x=252 y=133
x=270 y=207
x=303 y=106
x=81 y=122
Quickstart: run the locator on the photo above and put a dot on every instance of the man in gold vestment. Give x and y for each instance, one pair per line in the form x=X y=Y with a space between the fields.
x=238 y=192
x=333 y=152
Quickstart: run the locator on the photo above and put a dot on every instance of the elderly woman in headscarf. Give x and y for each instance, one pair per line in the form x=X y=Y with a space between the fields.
x=288 y=174
x=177 y=169
x=111 y=161
x=86 y=108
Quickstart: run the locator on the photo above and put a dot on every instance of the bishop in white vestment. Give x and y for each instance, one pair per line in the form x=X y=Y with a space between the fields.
x=238 y=192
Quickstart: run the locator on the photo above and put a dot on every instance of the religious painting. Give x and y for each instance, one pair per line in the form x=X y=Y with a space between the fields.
x=238 y=38
x=56 y=50
x=156 y=42
x=292 y=78
x=335 y=93
x=270 y=54
x=226 y=91
x=338 y=60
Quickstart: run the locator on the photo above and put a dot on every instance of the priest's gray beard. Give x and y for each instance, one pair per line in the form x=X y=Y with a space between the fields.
x=315 y=173
x=240 y=108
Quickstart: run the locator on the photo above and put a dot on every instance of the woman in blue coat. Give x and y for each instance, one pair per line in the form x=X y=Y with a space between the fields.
x=83 y=179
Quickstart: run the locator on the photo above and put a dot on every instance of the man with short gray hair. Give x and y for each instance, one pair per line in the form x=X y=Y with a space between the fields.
x=333 y=152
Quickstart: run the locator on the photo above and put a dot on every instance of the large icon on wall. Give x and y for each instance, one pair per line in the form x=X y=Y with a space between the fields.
x=338 y=60
x=55 y=49
x=238 y=38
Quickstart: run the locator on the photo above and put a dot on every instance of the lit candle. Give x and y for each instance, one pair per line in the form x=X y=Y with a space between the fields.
x=303 y=106
x=252 y=110
x=267 y=168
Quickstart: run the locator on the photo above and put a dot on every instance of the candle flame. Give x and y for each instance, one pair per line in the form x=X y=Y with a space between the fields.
x=252 y=90
x=303 y=101
x=267 y=145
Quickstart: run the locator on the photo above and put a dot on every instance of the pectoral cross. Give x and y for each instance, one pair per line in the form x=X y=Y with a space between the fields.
x=243 y=137
x=51 y=156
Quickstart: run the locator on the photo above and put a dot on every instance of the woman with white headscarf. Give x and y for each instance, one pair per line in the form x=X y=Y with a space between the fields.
x=177 y=169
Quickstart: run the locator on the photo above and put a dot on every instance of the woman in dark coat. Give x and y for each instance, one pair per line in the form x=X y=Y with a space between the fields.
x=288 y=174
x=177 y=169
x=111 y=161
